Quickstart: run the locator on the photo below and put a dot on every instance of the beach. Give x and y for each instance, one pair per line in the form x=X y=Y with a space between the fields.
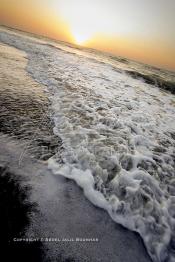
x=21 y=131
x=58 y=129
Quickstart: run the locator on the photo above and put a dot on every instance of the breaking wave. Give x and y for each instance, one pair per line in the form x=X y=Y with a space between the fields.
x=118 y=138
x=155 y=80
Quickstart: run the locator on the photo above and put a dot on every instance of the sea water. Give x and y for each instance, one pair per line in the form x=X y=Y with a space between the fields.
x=117 y=131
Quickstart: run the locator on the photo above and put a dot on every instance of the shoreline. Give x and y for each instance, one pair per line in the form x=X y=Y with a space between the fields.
x=24 y=105
x=61 y=211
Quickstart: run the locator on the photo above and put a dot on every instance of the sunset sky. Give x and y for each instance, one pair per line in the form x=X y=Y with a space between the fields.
x=142 y=30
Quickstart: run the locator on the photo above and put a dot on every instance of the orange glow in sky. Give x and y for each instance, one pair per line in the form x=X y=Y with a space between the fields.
x=142 y=30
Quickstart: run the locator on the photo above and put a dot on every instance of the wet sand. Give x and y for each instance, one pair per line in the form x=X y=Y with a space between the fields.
x=61 y=210
x=24 y=105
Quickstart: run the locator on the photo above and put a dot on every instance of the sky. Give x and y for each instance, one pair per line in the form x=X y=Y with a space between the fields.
x=143 y=30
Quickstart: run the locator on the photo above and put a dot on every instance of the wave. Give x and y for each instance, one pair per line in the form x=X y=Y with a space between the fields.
x=154 y=80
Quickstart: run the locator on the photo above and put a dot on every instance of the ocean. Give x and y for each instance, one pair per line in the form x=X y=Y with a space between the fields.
x=116 y=122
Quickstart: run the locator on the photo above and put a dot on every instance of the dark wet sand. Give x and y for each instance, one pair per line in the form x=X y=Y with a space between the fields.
x=61 y=210
x=24 y=105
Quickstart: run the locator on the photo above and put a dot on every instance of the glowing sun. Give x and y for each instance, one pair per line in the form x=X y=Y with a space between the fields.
x=81 y=36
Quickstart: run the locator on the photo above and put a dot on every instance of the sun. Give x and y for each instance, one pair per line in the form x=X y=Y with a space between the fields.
x=79 y=39
x=81 y=18
x=81 y=36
